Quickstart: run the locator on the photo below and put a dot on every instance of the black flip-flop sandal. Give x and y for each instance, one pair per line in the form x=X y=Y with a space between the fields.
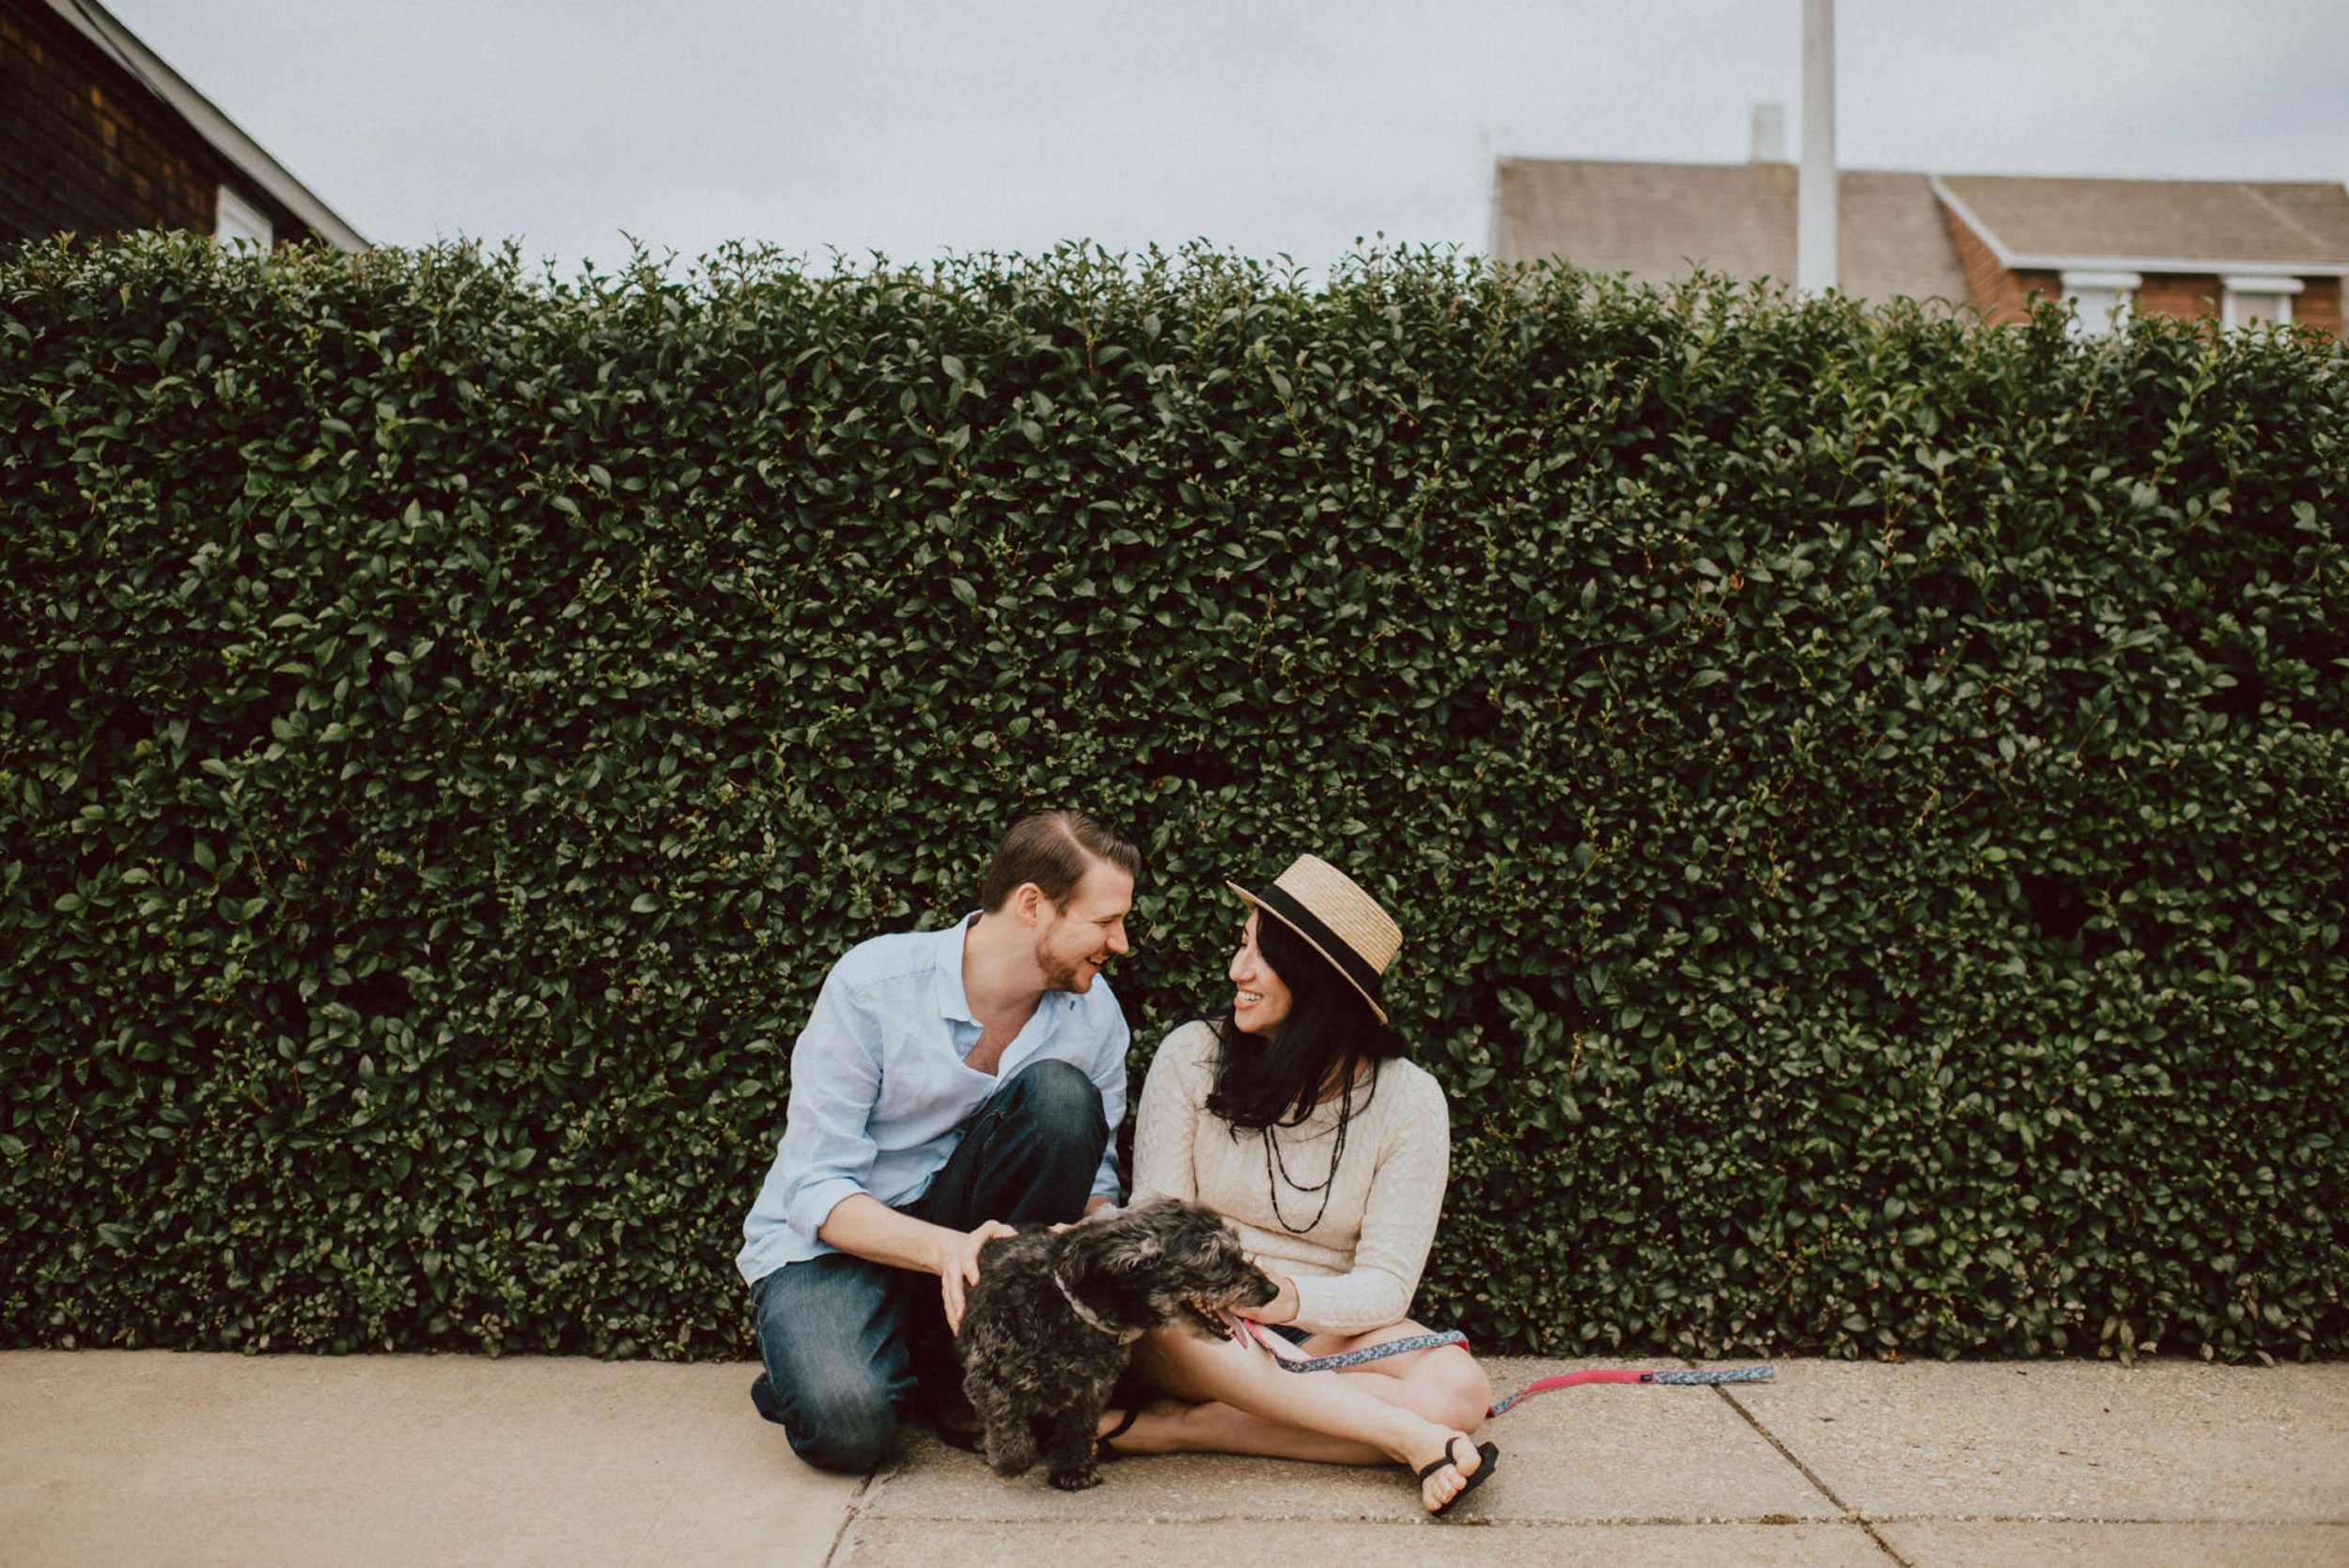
x=1103 y=1449
x=1470 y=1482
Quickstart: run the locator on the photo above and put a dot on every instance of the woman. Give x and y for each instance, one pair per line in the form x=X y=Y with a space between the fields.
x=1297 y=1118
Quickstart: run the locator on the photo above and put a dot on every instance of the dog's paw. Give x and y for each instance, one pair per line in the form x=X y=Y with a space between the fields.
x=1009 y=1459
x=1008 y=1454
x=1075 y=1481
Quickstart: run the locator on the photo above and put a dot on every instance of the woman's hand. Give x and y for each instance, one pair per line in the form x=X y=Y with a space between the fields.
x=1282 y=1308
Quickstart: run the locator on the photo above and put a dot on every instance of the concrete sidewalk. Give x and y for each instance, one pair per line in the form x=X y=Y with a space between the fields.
x=109 y=1455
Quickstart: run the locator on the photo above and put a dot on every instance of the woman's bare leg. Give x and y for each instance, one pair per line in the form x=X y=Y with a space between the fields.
x=1230 y=1398
x=1446 y=1385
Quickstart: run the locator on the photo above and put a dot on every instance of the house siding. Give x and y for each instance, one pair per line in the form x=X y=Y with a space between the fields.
x=2032 y=284
x=2319 y=304
x=2182 y=294
x=1996 y=292
x=85 y=146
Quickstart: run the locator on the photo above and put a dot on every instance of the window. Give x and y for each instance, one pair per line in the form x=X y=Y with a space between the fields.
x=2258 y=299
x=236 y=220
x=2099 y=300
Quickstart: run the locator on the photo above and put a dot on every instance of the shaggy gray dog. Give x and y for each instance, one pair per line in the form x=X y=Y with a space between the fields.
x=1047 y=1328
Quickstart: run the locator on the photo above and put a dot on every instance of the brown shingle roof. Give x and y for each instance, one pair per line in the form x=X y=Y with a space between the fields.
x=1658 y=221
x=2212 y=221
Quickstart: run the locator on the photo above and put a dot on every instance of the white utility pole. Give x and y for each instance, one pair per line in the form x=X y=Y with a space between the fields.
x=1815 y=189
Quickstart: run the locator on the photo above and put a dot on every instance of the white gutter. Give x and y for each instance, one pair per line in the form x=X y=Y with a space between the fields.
x=2271 y=268
x=2017 y=261
x=92 y=22
x=1947 y=199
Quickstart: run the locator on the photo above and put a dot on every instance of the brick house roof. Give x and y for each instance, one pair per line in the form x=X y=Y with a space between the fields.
x=1659 y=221
x=2213 y=224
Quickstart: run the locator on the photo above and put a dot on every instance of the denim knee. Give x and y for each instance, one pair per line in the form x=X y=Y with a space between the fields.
x=1057 y=1098
x=840 y=1418
x=837 y=1380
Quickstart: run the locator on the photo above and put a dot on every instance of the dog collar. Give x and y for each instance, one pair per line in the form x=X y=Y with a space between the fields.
x=1123 y=1336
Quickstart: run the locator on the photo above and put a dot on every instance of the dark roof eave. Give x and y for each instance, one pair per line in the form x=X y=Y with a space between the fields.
x=242 y=151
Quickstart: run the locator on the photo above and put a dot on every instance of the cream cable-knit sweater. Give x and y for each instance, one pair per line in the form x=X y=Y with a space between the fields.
x=1357 y=1270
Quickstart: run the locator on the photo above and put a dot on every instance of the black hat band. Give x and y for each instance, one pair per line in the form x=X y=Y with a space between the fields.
x=1333 y=946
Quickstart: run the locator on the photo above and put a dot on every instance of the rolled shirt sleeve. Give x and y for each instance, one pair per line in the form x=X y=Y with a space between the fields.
x=828 y=1150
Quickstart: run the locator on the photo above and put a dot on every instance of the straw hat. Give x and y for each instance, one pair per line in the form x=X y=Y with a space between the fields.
x=1343 y=923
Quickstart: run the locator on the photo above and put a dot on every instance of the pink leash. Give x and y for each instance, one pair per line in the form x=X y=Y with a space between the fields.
x=1292 y=1358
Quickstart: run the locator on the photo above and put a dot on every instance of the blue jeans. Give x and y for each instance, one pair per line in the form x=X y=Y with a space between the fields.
x=851 y=1343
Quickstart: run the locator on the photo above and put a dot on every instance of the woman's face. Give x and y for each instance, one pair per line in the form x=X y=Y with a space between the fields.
x=1260 y=1002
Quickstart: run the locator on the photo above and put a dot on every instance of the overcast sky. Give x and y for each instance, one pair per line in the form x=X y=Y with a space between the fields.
x=1271 y=126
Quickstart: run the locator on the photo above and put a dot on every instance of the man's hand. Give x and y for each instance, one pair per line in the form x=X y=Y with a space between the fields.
x=958 y=1269
x=1281 y=1308
x=1095 y=1204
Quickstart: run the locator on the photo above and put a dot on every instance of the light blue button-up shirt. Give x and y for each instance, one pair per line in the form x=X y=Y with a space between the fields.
x=879 y=1092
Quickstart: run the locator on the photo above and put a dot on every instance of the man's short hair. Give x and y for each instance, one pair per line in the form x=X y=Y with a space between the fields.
x=1054 y=849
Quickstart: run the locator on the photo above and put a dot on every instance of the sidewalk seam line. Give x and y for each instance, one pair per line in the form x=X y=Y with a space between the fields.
x=848 y=1516
x=1811 y=1476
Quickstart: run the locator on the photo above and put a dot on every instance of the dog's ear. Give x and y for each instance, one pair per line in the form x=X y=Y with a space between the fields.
x=1082 y=1248
x=1153 y=1228
x=1114 y=1245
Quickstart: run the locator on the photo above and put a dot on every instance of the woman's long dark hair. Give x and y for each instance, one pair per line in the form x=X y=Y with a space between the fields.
x=1328 y=1035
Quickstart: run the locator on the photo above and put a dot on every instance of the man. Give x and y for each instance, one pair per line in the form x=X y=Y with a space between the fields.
x=948 y=1085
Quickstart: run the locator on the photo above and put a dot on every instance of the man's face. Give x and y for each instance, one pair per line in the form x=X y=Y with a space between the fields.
x=1075 y=939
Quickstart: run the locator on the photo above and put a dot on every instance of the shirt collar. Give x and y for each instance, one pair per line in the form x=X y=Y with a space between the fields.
x=953 y=1001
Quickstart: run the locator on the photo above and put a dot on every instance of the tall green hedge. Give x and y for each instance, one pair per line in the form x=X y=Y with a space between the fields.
x=1866 y=789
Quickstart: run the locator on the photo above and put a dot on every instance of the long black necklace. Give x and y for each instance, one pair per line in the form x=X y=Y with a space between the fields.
x=1327 y=1184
